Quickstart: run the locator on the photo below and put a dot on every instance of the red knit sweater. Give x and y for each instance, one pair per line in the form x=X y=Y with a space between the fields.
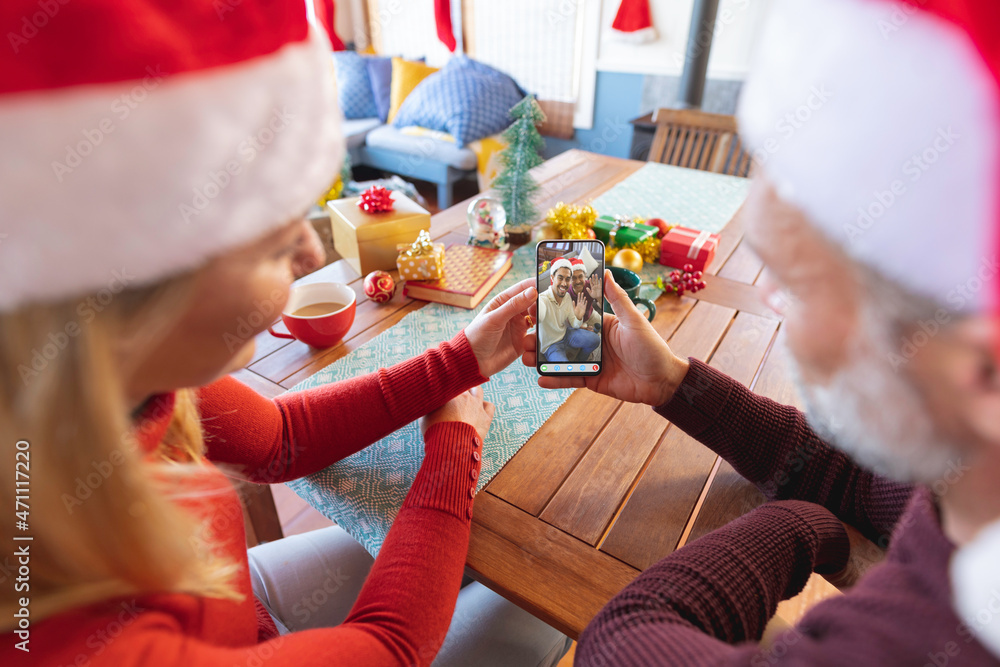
x=405 y=607
x=708 y=603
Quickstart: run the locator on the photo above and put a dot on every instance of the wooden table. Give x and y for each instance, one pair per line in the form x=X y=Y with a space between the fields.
x=604 y=489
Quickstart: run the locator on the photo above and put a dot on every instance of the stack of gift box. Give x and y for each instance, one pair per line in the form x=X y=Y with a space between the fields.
x=384 y=230
x=679 y=246
x=420 y=260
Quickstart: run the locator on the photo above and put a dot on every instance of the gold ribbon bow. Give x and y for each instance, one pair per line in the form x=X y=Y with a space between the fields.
x=421 y=247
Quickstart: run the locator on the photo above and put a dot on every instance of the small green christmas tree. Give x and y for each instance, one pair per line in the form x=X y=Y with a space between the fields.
x=514 y=185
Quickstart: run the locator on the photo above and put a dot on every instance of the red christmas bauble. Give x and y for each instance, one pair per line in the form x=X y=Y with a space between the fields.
x=376 y=199
x=379 y=286
x=660 y=225
x=590 y=233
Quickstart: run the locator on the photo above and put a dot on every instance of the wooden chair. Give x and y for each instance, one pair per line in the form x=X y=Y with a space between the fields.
x=699 y=140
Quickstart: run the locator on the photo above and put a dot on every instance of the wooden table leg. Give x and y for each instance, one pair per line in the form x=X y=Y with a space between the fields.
x=260 y=512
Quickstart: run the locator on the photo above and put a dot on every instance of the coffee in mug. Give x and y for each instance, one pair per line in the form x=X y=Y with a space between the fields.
x=318 y=314
x=318 y=309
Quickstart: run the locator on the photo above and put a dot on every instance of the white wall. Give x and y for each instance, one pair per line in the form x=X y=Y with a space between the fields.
x=548 y=46
x=406 y=28
x=737 y=27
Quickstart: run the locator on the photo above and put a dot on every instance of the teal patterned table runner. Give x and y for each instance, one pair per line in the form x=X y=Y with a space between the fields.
x=363 y=493
x=687 y=197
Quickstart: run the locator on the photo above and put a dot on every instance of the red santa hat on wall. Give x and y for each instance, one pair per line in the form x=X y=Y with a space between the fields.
x=634 y=22
x=145 y=141
x=881 y=120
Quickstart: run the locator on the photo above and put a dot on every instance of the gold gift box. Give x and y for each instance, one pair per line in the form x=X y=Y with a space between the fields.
x=425 y=266
x=368 y=240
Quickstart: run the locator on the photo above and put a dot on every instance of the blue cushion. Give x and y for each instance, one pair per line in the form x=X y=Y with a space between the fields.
x=466 y=99
x=354 y=86
x=380 y=73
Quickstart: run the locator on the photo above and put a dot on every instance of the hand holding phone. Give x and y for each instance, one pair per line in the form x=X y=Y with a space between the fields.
x=497 y=334
x=570 y=308
x=637 y=365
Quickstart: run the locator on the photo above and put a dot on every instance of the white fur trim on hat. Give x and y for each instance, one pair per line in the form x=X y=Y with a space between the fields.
x=152 y=177
x=975 y=581
x=560 y=263
x=884 y=132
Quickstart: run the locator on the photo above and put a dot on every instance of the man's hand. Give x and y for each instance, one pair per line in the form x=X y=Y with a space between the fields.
x=638 y=366
x=497 y=334
x=468 y=407
x=596 y=291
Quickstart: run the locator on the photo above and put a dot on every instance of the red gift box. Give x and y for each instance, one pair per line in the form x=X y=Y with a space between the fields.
x=682 y=245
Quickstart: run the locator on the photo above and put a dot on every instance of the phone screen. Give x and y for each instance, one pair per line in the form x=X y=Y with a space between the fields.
x=570 y=326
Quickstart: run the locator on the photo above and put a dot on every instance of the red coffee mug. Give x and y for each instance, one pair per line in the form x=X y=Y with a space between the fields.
x=318 y=330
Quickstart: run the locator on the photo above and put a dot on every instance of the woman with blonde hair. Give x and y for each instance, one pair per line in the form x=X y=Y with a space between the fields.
x=156 y=167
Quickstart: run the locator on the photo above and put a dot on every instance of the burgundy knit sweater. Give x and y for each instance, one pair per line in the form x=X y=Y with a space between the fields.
x=708 y=603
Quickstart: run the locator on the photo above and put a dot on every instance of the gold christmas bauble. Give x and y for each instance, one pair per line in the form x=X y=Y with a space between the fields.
x=545 y=232
x=626 y=258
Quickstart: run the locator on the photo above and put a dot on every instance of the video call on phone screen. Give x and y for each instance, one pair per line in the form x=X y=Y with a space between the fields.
x=570 y=307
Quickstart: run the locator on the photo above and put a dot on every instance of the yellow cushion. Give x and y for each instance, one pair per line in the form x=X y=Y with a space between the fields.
x=405 y=77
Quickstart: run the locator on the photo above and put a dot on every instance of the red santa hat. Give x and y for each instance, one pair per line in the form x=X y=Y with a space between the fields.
x=633 y=22
x=881 y=120
x=560 y=263
x=144 y=140
x=577 y=265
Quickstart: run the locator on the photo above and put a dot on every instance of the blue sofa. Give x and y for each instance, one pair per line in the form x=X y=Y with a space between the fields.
x=381 y=146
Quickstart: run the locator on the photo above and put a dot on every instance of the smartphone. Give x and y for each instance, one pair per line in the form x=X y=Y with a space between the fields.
x=570 y=326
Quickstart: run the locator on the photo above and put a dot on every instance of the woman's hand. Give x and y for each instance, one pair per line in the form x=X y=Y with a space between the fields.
x=637 y=365
x=497 y=334
x=468 y=407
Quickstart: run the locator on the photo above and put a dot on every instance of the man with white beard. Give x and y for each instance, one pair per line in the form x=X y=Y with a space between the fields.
x=876 y=130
